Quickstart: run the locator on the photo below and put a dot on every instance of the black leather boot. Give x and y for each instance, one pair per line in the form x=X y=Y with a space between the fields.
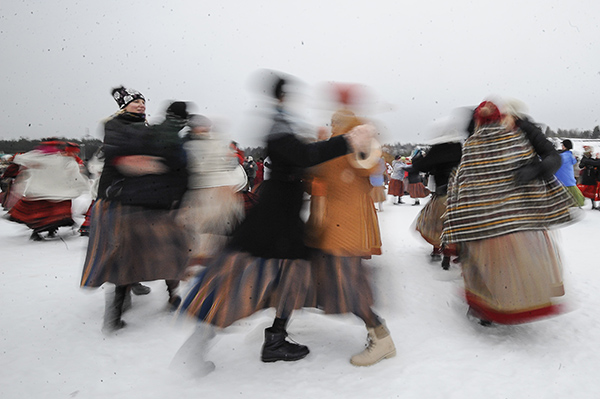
x=174 y=298
x=114 y=310
x=277 y=348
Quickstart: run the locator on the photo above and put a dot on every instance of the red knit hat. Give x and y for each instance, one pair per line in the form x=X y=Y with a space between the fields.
x=487 y=113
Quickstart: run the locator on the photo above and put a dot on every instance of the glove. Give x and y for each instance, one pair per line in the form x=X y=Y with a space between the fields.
x=527 y=173
x=178 y=109
x=360 y=137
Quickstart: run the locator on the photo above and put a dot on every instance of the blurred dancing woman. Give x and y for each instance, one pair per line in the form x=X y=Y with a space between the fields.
x=211 y=208
x=589 y=176
x=50 y=180
x=501 y=203
x=266 y=264
x=566 y=175
x=133 y=235
x=440 y=160
x=350 y=233
x=396 y=186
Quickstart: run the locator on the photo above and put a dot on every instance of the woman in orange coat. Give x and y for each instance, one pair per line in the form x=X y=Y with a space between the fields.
x=349 y=233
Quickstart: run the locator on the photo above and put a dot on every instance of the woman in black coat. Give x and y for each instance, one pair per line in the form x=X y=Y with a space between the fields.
x=133 y=235
x=266 y=262
x=588 y=180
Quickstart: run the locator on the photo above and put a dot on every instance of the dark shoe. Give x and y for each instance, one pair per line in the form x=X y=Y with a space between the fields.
x=114 y=310
x=113 y=326
x=52 y=233
x=174 y=298
x=140 y=289
x=277 y=348
x=174 y=302
x=473 y=314
x=436 y=254
x=416 y=203
x=446 y=263
x=35 y=236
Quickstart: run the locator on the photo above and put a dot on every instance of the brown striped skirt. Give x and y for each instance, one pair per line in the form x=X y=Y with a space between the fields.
x=341 y=285
x=418 y=190
x=512 y=278
x=237 y=284
x=430 y=223
x=396 y=188
x=130 y=244
x=42 y=215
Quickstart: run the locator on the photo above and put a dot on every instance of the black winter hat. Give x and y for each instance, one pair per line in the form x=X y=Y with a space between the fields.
x=124 y=96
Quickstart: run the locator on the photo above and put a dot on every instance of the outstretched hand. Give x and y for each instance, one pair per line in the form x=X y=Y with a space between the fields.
x=360 y=137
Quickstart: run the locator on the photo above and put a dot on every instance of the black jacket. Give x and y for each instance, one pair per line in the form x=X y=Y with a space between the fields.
x=589 y=171
x=273 y=227
x=127 y=134
x=439 y=161
x=550 y=160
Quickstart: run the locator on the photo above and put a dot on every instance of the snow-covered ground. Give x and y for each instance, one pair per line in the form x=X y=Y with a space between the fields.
x=51 y=345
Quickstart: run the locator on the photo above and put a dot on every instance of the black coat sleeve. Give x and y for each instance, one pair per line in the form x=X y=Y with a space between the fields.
x=550 y=158
x=589 y=162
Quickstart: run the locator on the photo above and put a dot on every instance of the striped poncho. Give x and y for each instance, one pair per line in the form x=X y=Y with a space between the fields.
x=485 y=201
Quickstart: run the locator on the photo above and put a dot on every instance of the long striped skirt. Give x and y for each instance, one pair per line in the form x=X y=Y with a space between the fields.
x=396 y=188
x=237 y=284
x=513 y=278
x=342 y=284
x=129 y=244
x=430 y=223
x=42 y=215
x=418 y=190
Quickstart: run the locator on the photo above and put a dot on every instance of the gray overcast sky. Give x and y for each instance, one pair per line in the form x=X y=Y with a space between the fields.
x=419 y=59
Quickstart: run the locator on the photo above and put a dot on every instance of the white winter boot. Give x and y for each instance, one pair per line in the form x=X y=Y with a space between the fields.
x=379 y=346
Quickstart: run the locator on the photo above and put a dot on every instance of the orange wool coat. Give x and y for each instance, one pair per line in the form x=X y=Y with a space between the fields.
x=350 y=226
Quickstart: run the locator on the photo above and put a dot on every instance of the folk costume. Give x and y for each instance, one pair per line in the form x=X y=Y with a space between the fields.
x=349 y=234
x=416 y=188
x=396 y=186
x=266 y=262
x=51 y=180
x=377 y=180
x=501 y=203
x=589 y=177
x=133 y=234
x=211 y=208
x=439 y=161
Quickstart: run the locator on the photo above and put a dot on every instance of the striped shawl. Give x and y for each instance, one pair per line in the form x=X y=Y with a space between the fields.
x=485 y=201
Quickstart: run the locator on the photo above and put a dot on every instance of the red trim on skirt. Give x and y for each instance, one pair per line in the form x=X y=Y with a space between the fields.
x=499 y=317
x=42 y=214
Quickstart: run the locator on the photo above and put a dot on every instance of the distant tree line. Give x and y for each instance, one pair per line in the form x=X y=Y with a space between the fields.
x=88 y=146
x=574 y=133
